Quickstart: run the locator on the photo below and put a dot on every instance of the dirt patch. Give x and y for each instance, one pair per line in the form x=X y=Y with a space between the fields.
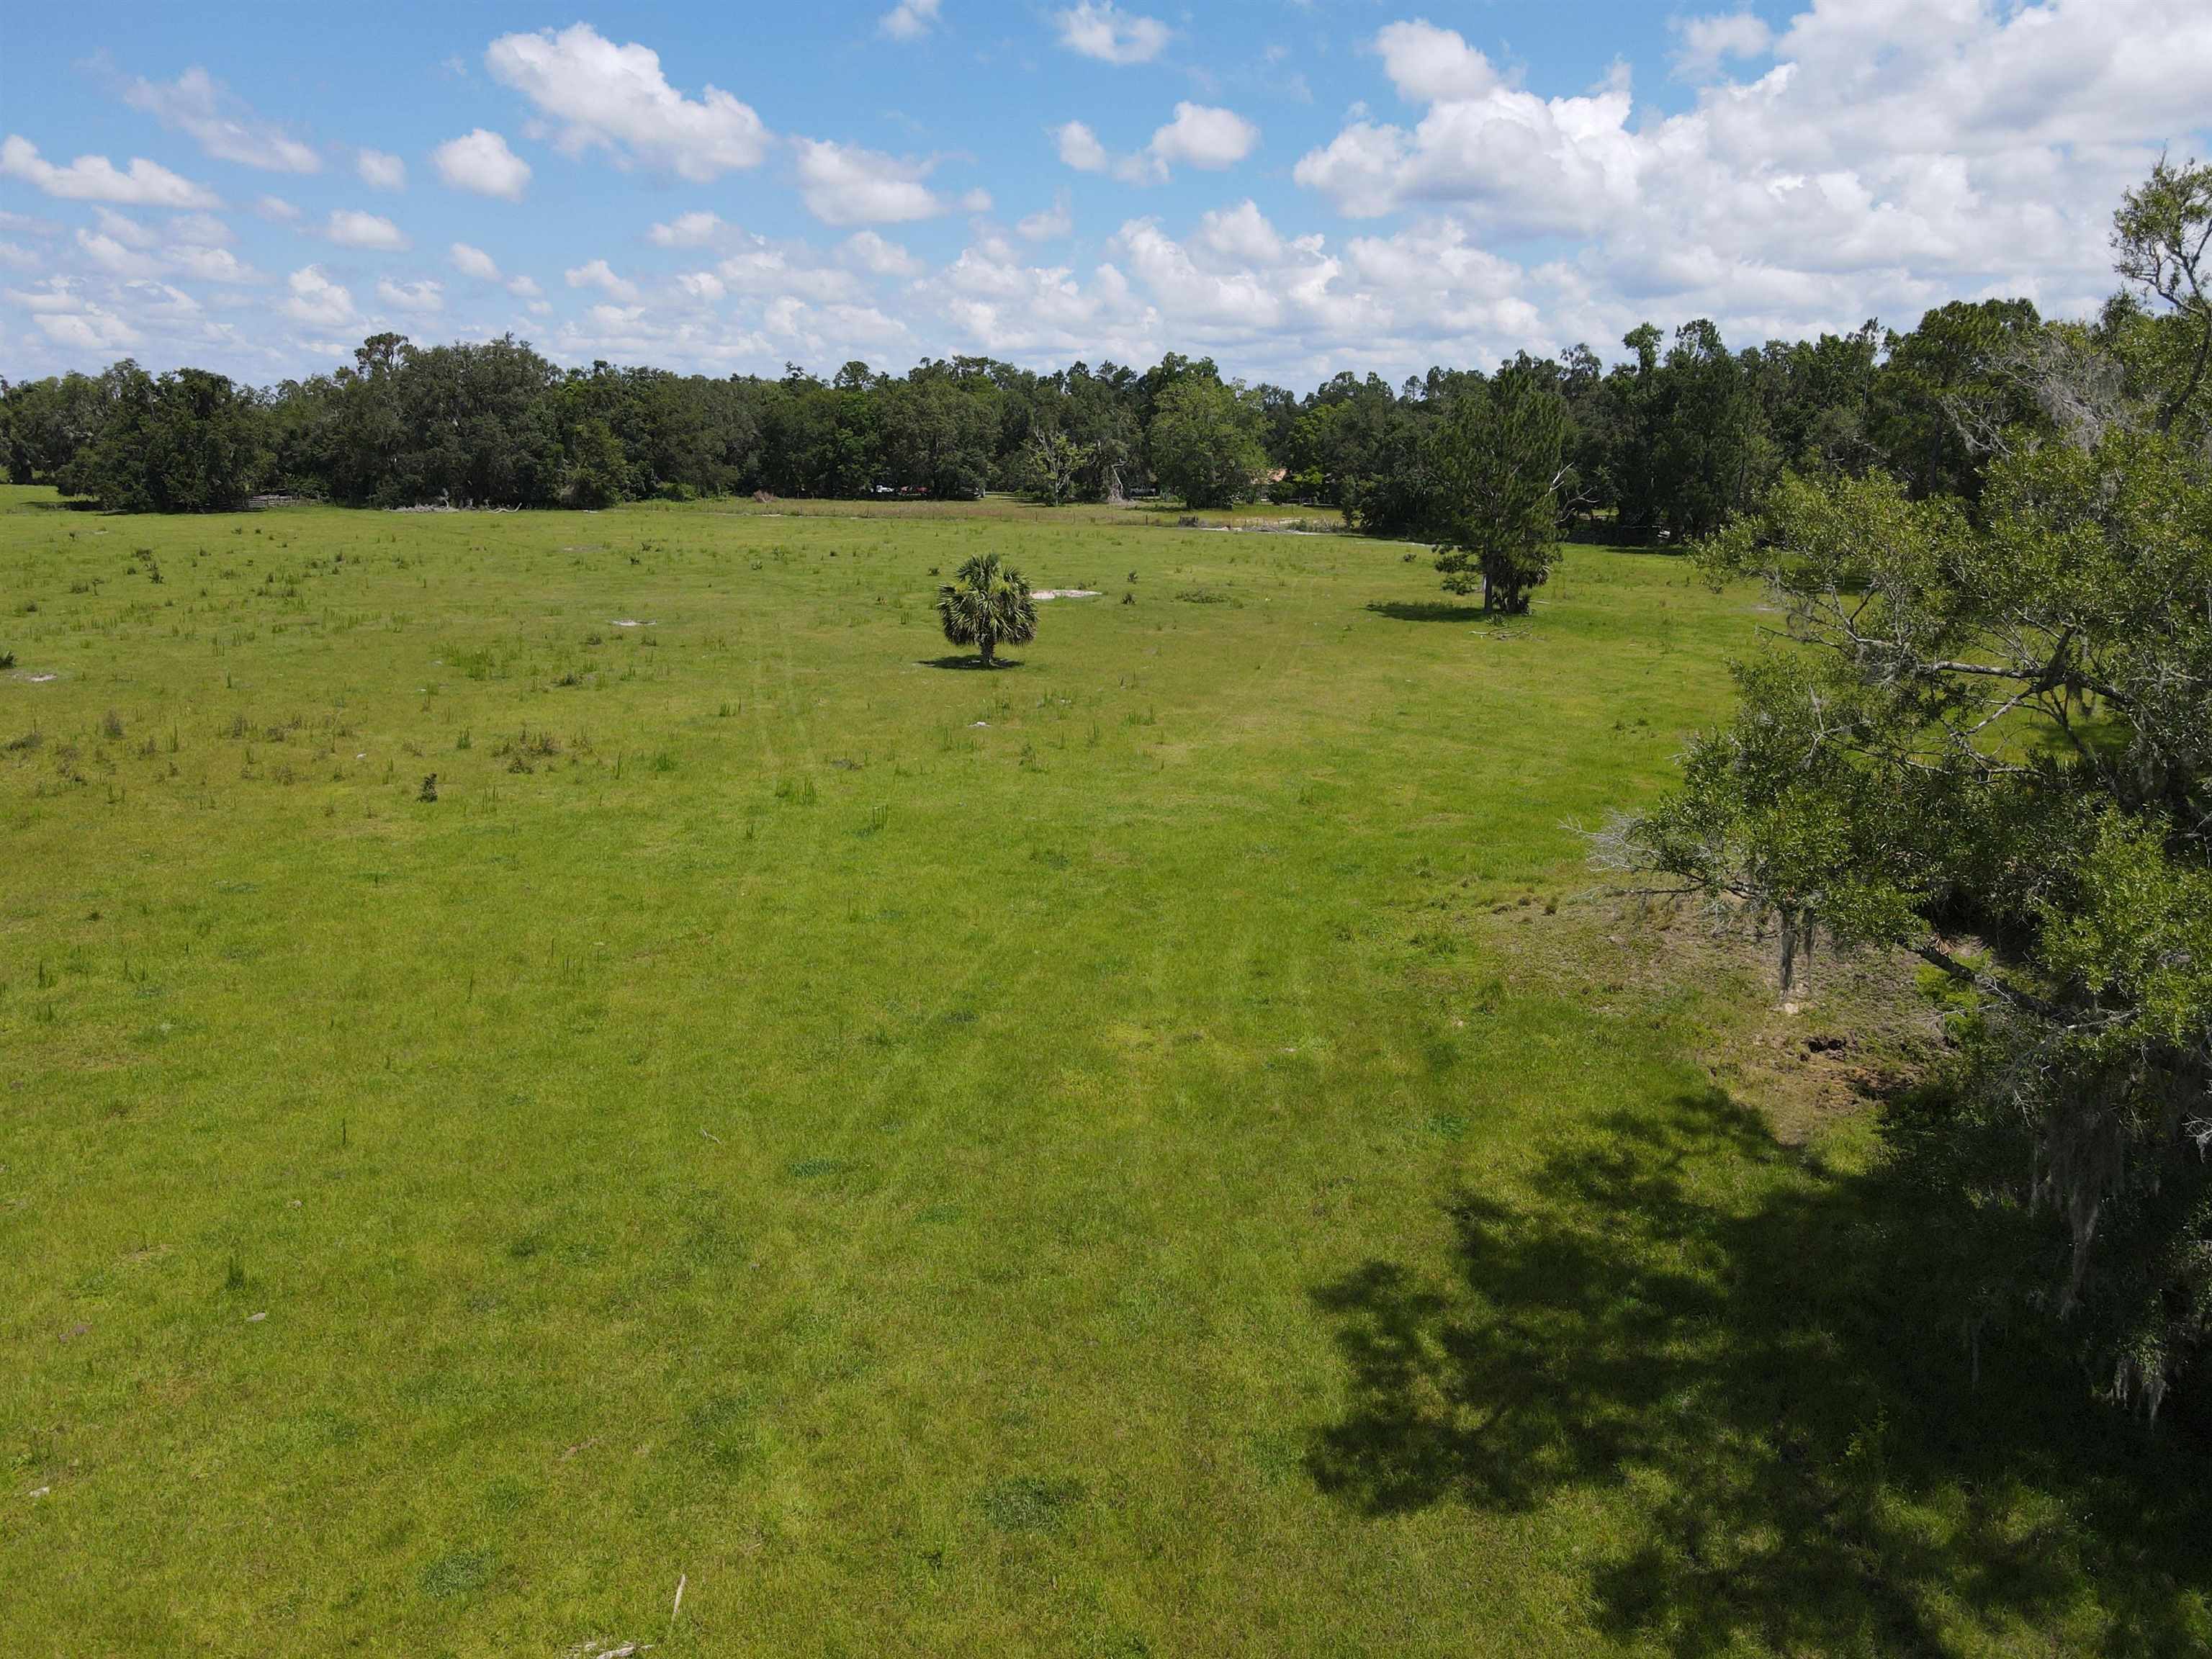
x=1065 y=593
x=1856 y=1028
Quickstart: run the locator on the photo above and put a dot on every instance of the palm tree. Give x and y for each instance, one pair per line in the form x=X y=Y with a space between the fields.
x=990 y=605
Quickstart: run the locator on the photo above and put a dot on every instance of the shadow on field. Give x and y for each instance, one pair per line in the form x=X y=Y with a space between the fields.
x=972 y=663
x=1427 y=611
x=1779 y=1401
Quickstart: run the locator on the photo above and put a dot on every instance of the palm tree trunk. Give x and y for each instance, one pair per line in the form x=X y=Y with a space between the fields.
x=986 y=645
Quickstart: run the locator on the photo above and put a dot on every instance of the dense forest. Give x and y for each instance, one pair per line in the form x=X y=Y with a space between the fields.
x=1667 y=444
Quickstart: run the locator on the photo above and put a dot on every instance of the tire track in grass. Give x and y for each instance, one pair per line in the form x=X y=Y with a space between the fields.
x=903 y=1168
x=759 y=702
x=868 y=1104
x=892 y=1191
x=900 y=1167
x=909 y=1165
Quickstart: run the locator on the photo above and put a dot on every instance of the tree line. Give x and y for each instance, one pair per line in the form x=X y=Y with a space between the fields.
x=1666 y=444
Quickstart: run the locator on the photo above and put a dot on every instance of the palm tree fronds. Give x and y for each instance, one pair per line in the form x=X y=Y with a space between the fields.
x=989 y=606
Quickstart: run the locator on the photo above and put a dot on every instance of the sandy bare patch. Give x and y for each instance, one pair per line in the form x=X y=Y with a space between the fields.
x=1064 y=593
x=1856 y=1029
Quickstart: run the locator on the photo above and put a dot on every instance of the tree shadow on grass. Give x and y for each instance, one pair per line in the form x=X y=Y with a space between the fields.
x=970 y=662
x=1427 y=611
x=1776 y=1396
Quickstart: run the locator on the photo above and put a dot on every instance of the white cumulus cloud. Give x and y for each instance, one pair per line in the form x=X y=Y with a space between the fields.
x=124 y=229
x=872 y=252
x=1047 y=223
x=1240 y=235
x=1100 y=29
x=786 y=270
x=96 y=178
x=350 y=228
x=420 y=299
x=909 y=20
x=380 y=170
x=1079 y=148
x=605 y=97
x=212 y=264
x=1202 y=137
x=1535 y=164
x=481 y=163
x=316 y=301
x=1707 y=42
x=193 y=103
x=200 y=229
x=695 y=229
x=846 y=185
x=474 y=263
x=1427 y=63
x=599 y=275
x=994 y=301
x=113 y=256
x=92 y=329
x=1870 y=158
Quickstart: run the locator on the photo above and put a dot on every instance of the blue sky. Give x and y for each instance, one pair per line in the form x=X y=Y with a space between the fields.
x=1292 y=188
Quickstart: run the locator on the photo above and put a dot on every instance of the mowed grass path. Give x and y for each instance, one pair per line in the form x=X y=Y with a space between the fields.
x=1089 y=1158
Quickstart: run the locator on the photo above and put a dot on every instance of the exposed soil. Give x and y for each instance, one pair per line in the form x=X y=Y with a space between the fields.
x=1854 y=1029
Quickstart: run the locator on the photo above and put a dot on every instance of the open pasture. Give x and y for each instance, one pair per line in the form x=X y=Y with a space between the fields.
x=1149 y=1151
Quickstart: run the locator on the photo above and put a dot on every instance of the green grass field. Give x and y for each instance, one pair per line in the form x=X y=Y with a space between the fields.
x=1150 y=1151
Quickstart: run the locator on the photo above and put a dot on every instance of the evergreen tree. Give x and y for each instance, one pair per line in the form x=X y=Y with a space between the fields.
x=1498 y=457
